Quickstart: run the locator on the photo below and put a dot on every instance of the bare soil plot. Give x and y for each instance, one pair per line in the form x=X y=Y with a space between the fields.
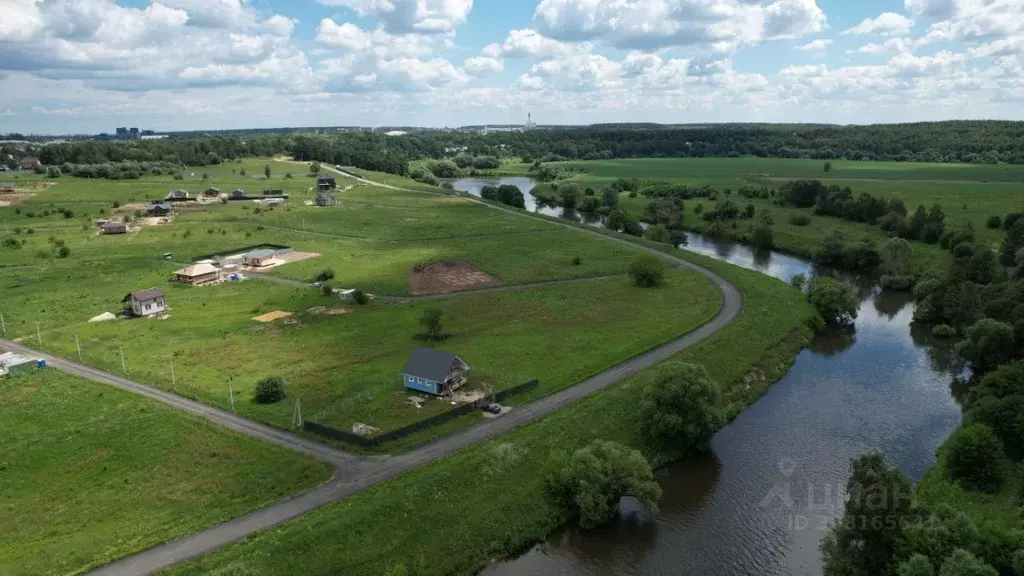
x=271 y=316
x=448 y=276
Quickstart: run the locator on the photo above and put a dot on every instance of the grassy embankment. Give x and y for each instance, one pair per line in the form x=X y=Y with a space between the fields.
x=968 y=193
x=489 y=498
x=89 y=474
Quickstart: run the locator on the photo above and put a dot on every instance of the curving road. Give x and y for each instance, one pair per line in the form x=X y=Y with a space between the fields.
x=355 y=473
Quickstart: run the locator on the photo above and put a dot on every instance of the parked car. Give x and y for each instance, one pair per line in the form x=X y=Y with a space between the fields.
x=493 y=408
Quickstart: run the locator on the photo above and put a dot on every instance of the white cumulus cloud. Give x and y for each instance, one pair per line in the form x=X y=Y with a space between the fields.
x=887 y=24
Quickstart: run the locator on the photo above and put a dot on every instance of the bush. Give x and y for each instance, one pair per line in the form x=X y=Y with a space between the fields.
x=597 y=477
x=975 y=458
x=800 y=219
x=269 y=390
x=994 y=222
x=798 y=281
x=896 y=282
x=63 y=252
x=647 y=271
x=836 y=302
x=324 y=275
x=943 y=331
x=327 y=290
x=860 y=256
x=679 y=408
x=577 y=261
x=360 y=297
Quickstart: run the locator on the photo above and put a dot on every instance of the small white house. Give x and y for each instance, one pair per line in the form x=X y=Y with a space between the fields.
x=145 y=302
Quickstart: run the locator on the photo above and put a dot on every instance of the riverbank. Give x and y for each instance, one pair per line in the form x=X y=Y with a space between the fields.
x=488 y=501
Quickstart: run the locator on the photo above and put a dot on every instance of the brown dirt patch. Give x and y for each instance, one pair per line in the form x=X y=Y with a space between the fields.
x=448 y=276
x=271 y=316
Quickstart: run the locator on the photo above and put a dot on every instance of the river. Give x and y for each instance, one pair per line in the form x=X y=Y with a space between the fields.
x=759 y=504
x=525 y=184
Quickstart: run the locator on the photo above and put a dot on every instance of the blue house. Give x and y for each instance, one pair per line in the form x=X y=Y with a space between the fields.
x=434 y=371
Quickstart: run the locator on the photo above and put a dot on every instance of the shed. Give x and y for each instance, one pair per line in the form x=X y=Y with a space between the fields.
x=113 y=227
x=149 y=302
x=435 y=372
x=197 y=274
x=324 y=199
x=258 y=258
x=326 y=182
x=161 y=209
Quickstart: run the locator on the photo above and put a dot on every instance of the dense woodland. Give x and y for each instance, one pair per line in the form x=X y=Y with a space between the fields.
x=975 y=142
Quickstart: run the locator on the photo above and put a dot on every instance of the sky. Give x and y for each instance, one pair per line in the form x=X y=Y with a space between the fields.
x=86 y=66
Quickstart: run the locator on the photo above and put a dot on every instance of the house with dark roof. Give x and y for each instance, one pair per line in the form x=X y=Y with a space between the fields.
x=161 y=209
x=324 y=199
x=148 y=302
x=29 y=163
x=434 y=371
x=113 y=227
x=325 y=182
x=178 y=196
x=238 y=194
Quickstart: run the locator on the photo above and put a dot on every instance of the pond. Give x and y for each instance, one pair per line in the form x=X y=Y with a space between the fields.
x=760 y=502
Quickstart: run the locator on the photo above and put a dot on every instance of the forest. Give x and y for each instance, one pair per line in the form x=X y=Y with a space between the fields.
x=982 y=142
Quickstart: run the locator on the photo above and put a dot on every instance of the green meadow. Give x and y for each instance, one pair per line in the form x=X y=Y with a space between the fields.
x=90 y=473
x=493 y=503
x=345 y=367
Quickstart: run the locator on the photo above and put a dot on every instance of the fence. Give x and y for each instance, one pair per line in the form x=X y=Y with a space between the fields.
x=376 y=441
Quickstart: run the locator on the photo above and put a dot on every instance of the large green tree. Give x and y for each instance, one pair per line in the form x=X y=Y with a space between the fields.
x=878 y=509
x=680 y=407
x=987 y=344
x=975 y=458
x=836 y=302
x=597 y=476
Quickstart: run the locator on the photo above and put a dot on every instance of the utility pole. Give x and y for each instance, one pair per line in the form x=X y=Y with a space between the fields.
x=297 y=414
x=231 y=393
x=124 y=367
x=174 y=382
x=79 y=347
x=39 y=336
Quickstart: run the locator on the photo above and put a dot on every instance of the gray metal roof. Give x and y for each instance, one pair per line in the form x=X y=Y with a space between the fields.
x=263 y=253
x=148 y=294
x=164 y=205
x=428 y=363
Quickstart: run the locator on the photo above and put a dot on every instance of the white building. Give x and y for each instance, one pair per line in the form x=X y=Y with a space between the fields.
x=145 y=302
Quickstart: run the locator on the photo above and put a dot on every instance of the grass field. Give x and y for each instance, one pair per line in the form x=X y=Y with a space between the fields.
x=89 y=473
x=492 y=503
x=345 y=368
x=968 y=193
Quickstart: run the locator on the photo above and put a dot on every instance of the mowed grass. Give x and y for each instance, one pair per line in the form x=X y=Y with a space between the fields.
x=89 y=474
x=490 y=498
x=346 y=369
x=517 y=259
